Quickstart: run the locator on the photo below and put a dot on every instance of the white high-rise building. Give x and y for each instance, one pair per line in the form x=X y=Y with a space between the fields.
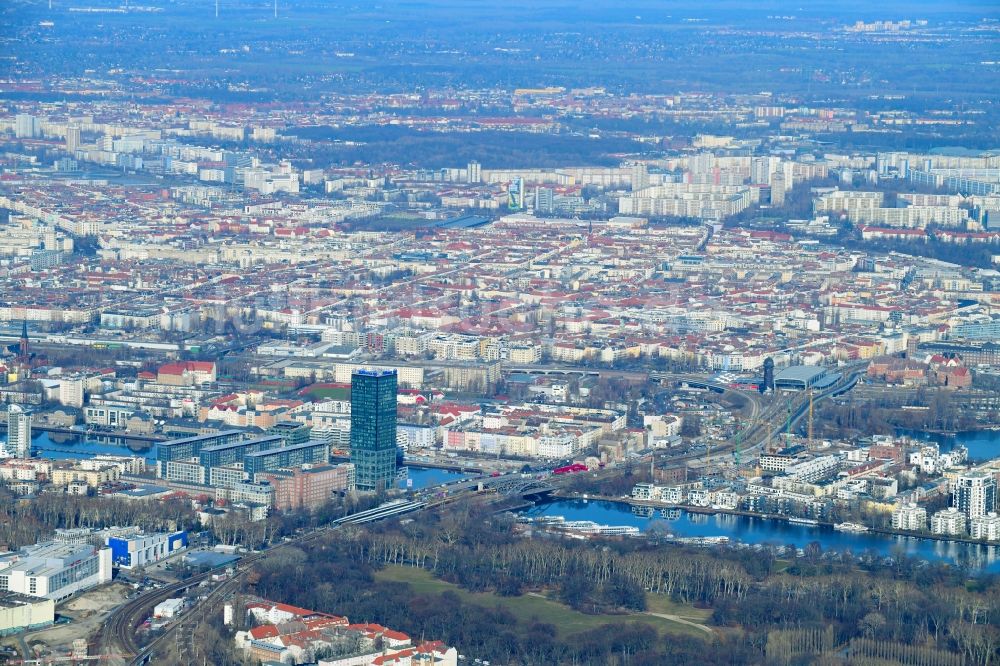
x=639 y=177
x=544 y=200
x=18 y=432
x=778 y=189
x=72 y=138
x=25 y=126
x=975 y=494
x=762 y=168
x=474 y=172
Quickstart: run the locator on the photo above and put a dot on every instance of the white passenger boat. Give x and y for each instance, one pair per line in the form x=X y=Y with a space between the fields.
x=850 y=527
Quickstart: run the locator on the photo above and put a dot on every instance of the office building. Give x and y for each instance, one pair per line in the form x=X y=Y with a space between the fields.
x=280 y=457
x=54 y=570
x=373 y=429
x=236 y=452
x=308 y=487
x=18 y=432
x=768 y=383
x=183 y=450
x=975 y=494
x=293 y=432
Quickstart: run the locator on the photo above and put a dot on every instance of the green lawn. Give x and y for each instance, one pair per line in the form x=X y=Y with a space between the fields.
x=330 y=393
x=566 y=620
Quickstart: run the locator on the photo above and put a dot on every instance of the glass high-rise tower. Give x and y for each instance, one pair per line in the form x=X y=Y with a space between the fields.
x=373 y=429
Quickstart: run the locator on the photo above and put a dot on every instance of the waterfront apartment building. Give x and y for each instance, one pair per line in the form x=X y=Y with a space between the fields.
x=18 y=432
x=373 y=429
x=949 y=522
x=985 y=527
x=975 y=494
x=911 y=517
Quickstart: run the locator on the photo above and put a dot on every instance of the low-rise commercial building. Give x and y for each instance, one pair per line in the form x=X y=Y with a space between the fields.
x=54 y=570
x=19 y=612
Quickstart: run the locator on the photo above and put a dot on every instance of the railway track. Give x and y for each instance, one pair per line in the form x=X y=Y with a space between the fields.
x=118 y=635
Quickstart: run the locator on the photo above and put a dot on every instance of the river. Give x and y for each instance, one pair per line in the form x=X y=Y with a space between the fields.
x=982 y=444
x=425 y=477
x=753 y=530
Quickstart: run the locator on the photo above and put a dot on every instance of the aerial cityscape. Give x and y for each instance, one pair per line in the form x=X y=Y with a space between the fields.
x=514 y=333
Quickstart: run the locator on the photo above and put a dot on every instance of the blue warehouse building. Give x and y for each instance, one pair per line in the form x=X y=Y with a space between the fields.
x=141 y=550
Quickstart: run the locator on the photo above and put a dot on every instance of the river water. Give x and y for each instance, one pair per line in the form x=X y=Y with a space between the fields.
x=745 y=529
x=425 y=477
x=753 y=530
x=982 y=444
x=64 y=446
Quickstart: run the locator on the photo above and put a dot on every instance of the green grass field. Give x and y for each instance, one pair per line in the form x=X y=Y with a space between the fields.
x=331 y=393
x=566 y=620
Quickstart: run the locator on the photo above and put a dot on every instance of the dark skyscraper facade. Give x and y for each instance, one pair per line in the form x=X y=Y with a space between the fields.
x=373 y=429
x=768 y=383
